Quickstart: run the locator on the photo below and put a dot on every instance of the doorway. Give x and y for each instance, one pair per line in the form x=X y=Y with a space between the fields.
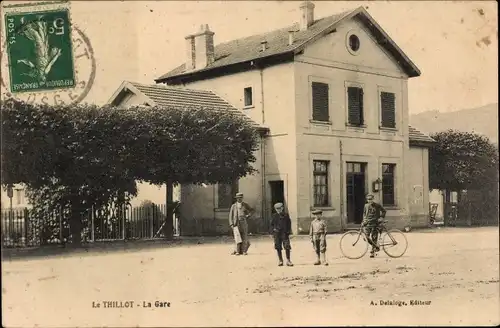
x=277 y=193
x=356 y=189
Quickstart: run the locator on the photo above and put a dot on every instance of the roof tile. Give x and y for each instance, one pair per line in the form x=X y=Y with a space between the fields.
x=417 y=136
x=250 y=48
x=174 y=97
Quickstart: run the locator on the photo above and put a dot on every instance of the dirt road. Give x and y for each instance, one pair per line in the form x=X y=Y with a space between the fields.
x=447 y=277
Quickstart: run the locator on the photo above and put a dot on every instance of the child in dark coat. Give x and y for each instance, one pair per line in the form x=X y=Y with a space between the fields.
x=281 y=228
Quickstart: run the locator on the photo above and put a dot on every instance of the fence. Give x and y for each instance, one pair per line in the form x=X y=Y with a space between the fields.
x=22 y=228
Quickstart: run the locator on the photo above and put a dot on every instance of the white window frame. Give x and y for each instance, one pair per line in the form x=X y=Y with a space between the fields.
x=330 y=181
x=356 y=32
x=397 y=180
x=252 y=105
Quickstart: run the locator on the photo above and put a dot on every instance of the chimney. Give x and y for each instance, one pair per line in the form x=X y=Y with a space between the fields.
x=307 y=15
x=200 y=48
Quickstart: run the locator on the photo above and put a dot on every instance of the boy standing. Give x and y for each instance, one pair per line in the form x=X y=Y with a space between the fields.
x=372 y=214
x=281 y=227
x=317 y=232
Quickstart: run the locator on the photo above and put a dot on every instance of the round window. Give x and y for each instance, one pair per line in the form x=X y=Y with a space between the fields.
x=354 y=42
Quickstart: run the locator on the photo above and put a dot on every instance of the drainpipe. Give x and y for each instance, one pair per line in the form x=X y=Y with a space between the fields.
x=263 y=151
x=341 y=188
x=262 y=93
x=263 y=174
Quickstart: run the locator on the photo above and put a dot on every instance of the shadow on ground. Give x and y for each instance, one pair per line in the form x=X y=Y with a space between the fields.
x=96 y=248
x=9 y=254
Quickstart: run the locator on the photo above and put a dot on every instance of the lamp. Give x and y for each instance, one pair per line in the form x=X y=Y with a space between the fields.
x=376 y=185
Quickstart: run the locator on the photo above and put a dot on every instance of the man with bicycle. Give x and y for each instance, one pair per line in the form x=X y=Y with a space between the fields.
x=372 y=215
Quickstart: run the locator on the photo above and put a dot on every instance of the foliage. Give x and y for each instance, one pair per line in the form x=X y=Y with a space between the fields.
x=85 y=155
x=189 y=145
x=482 y=206
x=462 y=160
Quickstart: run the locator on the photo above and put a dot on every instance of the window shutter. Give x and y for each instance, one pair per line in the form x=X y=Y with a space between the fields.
x=320 y=101
x=388 y=104
x=355 y=105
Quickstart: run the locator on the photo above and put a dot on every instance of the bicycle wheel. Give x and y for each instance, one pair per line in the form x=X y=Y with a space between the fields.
x=394 y=243
x=353 y=245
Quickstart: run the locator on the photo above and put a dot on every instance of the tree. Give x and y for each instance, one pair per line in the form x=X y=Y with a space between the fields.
x=465 y=161
x=81 y=156
x=461 y=160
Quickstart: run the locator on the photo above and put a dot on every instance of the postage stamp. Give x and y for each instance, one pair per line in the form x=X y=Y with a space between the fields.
x=49 y=59
x=40 y=51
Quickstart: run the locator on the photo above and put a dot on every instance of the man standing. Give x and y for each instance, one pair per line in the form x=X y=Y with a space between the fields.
x=238 y=215
x=281 y=228
x=371 y=216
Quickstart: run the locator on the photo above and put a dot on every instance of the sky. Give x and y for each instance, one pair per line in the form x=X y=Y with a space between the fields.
x=453 y=43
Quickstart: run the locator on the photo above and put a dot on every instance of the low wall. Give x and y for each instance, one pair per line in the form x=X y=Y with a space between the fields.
x=398 y=222
x=419 y=221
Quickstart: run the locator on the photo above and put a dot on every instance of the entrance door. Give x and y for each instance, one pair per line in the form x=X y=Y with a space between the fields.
x=277 y=193
x=356 y=181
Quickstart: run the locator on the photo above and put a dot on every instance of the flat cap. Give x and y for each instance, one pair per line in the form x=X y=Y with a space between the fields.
x=240 y=194
x=317 y=212
x=278 y=205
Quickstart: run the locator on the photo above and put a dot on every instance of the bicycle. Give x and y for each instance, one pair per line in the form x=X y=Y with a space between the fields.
x=388 y=240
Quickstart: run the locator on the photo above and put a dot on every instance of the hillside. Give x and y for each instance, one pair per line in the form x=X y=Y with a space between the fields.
x=482 y=120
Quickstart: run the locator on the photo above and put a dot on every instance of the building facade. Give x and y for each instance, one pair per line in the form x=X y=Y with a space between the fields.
x=334 y=94
x=330 y=97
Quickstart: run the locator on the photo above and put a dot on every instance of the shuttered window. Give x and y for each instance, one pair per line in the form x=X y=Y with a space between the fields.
x=355 y=105
x=388 y=107
x=320 y=101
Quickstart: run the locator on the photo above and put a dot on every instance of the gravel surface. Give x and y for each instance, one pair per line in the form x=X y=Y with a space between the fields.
x=448 y=276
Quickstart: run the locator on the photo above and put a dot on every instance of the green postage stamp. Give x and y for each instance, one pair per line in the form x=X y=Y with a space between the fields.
x=40 y=51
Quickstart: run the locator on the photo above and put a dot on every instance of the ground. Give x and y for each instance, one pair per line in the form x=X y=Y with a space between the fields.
x=455 y=269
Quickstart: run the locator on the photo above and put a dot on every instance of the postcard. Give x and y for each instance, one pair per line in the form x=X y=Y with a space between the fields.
x=249 y=163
